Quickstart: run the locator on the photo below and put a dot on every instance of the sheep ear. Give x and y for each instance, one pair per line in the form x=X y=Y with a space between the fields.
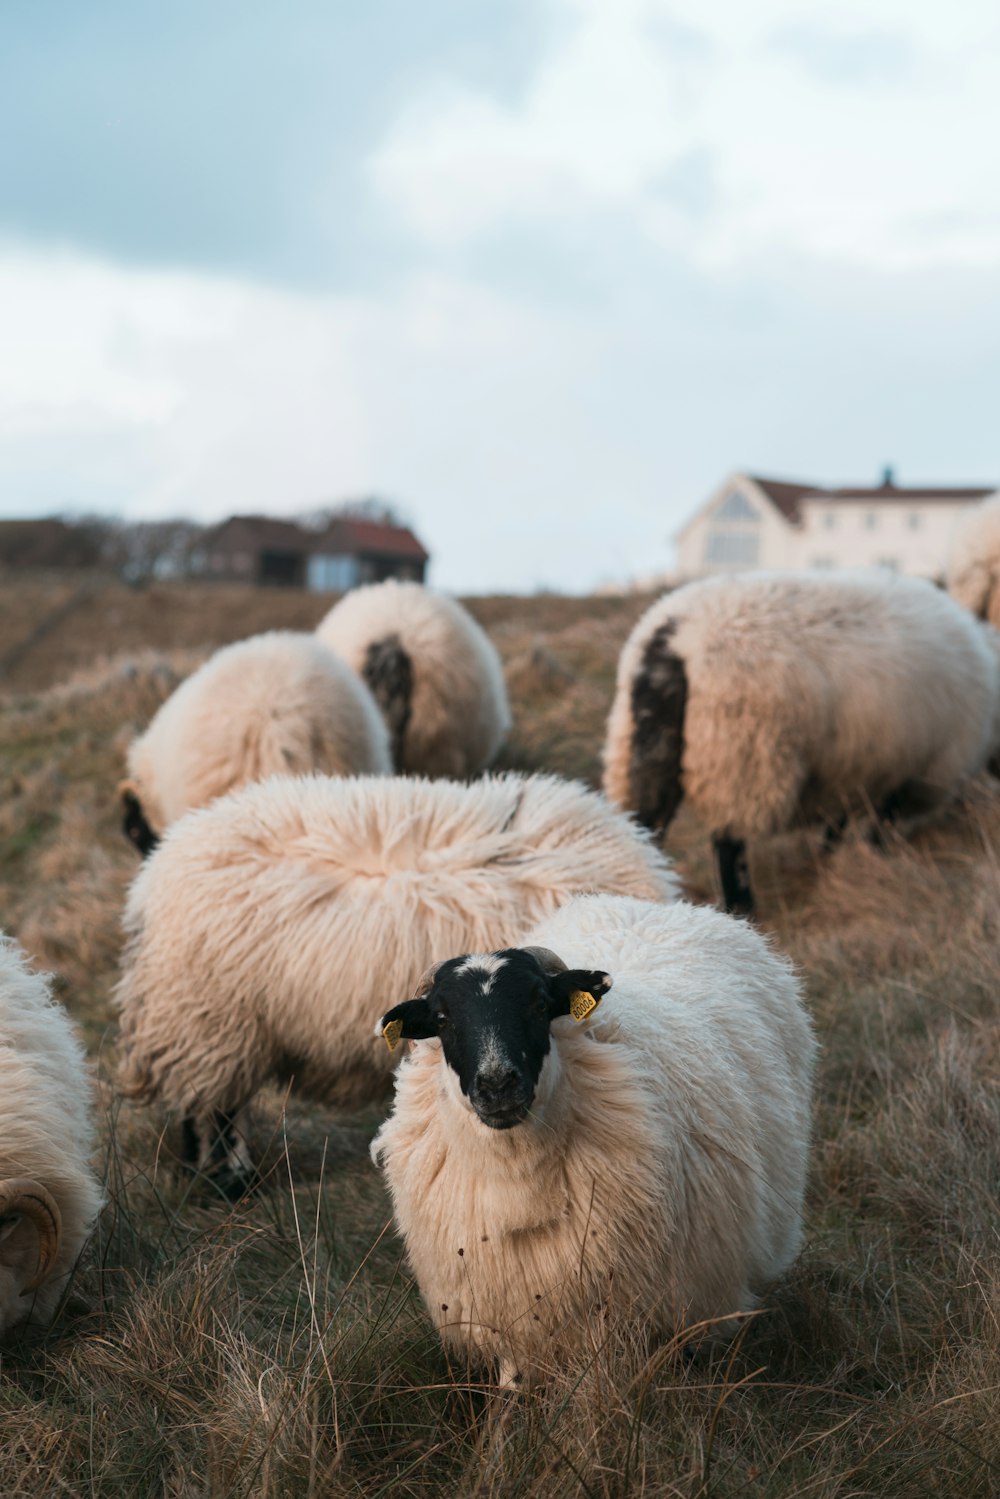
x=577 y=992
x=410 y=1021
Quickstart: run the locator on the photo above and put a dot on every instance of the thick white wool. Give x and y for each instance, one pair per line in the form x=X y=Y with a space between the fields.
x=46 y=1132
x=274 y=704
x=269 y=929
x=658 y=1179
x=459 y=714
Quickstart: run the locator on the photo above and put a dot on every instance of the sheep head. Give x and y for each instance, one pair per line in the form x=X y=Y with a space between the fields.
x=492 y=1013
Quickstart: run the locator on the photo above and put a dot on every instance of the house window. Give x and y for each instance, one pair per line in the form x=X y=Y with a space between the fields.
x=823 y=563
x=735 y=548
x=736 y=506
x=913 y=520
x=891 y=564
x=326 y=574
x=733 y=540
x=871 y=520
x=829 y=520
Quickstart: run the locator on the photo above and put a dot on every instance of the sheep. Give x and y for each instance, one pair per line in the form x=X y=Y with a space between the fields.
x=267 y=927
x=275 y=703
x=974 y=563
x=49 y=1196
x=776 y=699
x=562 y=1173
x=434 y=672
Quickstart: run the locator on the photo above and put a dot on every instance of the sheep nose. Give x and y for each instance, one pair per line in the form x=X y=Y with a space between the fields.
x=499 y=1090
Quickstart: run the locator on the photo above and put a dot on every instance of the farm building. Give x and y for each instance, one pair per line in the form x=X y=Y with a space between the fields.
x=750 y=521
x=48 y=543
x=347 y=551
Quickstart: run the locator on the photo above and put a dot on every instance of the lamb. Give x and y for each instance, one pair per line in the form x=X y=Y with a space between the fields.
x=775 y=699
x=279 y=703
x=268 y=927
x=434 y=673
x=974 y=563
x=49 y=1196
x=562 y=1173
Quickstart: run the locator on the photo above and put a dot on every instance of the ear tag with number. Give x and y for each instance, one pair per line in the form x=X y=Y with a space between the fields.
x=582 y=1004
x=392 y=1032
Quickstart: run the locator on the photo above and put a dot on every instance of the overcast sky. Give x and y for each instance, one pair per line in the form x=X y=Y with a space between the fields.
x=541 y=272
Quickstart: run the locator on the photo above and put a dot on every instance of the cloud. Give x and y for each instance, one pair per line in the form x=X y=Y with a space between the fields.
x=755 y=110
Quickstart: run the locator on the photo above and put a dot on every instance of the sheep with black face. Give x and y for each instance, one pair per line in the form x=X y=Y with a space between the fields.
x=564 y=1165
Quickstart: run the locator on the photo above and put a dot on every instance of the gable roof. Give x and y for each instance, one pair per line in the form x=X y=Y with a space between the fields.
x=787 y=495
x=352 y=535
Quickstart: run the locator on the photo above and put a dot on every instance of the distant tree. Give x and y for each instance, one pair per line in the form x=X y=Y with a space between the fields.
x=370 y=507
x=140 y=551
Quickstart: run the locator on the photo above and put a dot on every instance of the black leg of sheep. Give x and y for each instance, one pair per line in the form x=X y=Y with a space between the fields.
x=734 y=874
x=216 y=1149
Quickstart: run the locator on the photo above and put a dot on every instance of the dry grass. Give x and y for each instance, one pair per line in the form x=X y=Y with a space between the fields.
x=280 y=1350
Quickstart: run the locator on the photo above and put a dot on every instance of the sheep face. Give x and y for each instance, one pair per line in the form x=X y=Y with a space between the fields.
x=492 y=1013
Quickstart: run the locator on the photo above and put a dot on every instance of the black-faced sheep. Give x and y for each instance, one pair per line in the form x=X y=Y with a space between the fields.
x=275 y=704
x=770 y=700
x=49 y=1197
x=974 y=564
x=267 y=928
x=558 y=1170
x=434 y=672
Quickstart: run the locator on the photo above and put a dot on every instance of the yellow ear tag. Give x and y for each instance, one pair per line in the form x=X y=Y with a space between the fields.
x=582 y=1004
x=392 y=1033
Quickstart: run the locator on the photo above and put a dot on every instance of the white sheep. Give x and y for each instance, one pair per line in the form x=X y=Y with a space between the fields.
x=49 y=1197
x=974 y=563
x=434 y=672
x=774 y=699
x=557 y=1177
x=267 y=928
x=278 y=703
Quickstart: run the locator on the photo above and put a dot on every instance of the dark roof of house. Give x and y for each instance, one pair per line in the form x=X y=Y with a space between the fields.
x=242 y=532
x=787 y=495
x=349 y=534
x=344 y=534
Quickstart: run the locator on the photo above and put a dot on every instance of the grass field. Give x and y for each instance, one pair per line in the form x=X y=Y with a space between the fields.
x=280 y=1349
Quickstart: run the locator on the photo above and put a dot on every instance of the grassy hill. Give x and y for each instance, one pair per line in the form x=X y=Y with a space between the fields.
x=281 y=1350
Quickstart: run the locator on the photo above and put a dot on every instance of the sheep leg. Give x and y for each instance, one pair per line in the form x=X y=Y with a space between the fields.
x=734 y=874
x=214 y=1143
x=833 y=833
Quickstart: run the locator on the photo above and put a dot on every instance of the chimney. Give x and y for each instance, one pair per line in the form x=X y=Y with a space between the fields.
x=888 y=477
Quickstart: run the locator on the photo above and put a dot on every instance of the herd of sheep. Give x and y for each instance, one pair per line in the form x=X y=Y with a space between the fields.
x=603 y=1094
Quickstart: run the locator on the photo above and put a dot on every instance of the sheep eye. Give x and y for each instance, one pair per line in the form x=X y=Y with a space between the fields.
x=440 y=1020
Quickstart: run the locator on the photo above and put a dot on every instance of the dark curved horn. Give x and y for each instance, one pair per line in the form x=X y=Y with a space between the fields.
x=29 y=1199
x=547 y=960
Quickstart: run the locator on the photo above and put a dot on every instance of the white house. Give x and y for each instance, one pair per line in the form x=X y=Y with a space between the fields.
x=754 y=522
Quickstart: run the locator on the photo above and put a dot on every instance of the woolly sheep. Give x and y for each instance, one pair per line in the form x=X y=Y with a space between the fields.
x=560 y=1176
x=434 y=672
x=279 y=703
x=49 y=1197
x=771 y=699
x=268 y=927
x=974 y=563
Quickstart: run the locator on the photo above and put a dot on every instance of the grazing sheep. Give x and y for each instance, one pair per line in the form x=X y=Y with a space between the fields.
x=974 y=564
x=49 y=1197
x=434 y=672
x=771 y=699
x=557 y=1177
x=276 y=704
x=269 y=927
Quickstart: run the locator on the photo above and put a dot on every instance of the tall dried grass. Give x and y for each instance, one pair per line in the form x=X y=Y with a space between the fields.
x=280 y=1349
